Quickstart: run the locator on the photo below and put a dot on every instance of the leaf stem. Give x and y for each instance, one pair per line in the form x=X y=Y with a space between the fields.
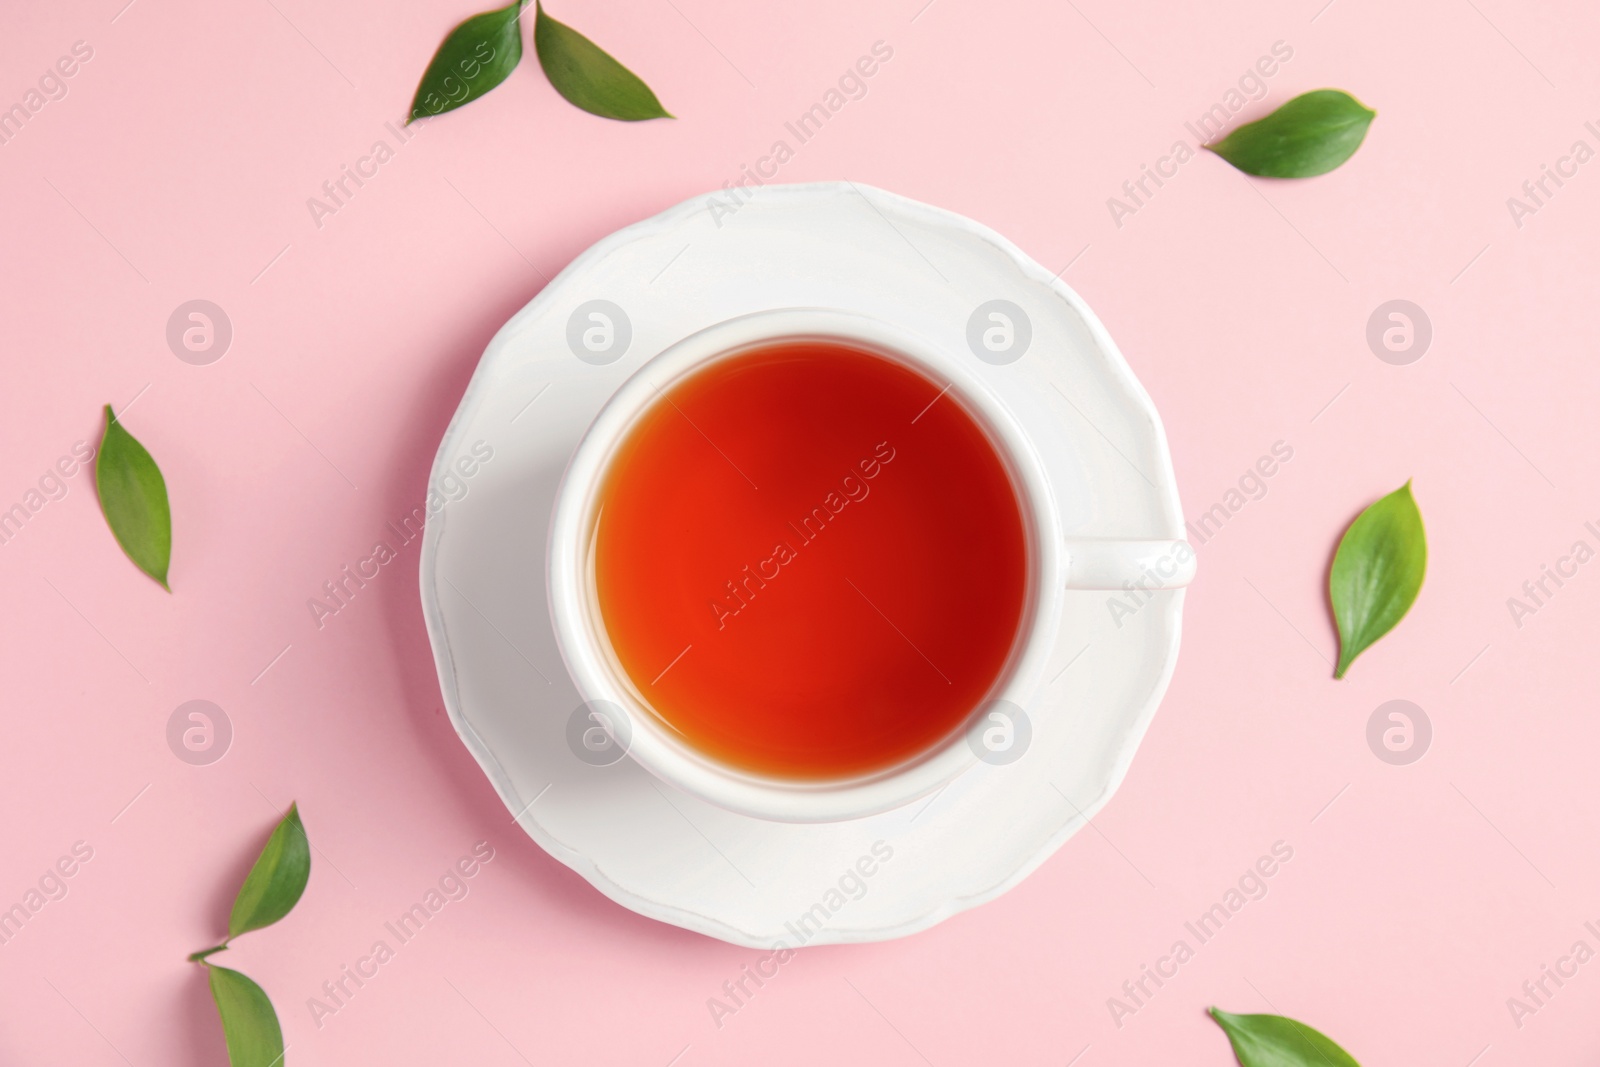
x=199 y=957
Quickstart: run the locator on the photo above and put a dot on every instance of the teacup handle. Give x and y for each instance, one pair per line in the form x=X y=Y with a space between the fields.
x=1145 y=564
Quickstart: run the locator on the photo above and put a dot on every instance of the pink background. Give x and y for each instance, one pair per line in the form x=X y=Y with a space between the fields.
x=178 y=166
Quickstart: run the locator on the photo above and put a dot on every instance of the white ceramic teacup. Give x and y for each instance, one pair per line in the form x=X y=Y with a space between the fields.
x=1055 y=564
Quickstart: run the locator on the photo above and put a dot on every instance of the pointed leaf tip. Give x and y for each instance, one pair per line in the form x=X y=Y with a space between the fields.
x=276 y=882
x=1312 y=134
x=475 y=57
x=1377 y=573
x=588 y=77
x=1278 y=1041
x=133 y=499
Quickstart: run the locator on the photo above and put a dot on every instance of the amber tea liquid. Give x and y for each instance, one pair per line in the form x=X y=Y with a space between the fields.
x=810 y=560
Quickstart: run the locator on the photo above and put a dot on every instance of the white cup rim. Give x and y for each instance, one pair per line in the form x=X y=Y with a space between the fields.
x=592 y=664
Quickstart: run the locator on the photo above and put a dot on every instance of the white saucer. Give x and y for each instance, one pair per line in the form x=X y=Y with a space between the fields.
x=663 y=853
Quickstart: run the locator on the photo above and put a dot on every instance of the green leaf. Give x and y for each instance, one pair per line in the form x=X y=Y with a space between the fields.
x=582 y=72
x=475 y=57
x=1310 y=135
x=1377 y=572
x=1276 y=1041
x=248 y=1021
x=275 y=883
x=133 y=497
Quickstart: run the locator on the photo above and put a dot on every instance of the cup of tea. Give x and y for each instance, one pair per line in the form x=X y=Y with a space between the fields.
x=800 y=555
